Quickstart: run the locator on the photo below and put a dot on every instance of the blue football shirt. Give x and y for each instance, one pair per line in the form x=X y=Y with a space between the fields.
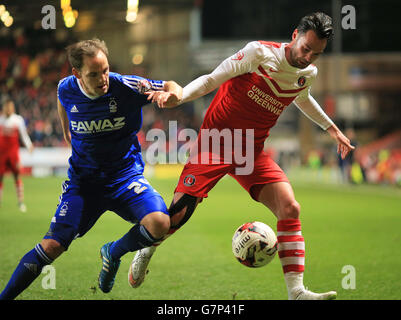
x=105 y=146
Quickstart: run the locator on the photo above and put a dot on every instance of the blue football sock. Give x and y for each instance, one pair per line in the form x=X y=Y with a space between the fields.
x=137 y=238
x=28 y=269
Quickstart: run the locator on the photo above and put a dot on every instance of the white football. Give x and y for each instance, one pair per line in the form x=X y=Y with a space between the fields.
x=254 y=244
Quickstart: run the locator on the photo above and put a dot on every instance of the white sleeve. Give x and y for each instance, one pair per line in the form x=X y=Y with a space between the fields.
x=314 y=112
x=244 y=61
x=23 y=133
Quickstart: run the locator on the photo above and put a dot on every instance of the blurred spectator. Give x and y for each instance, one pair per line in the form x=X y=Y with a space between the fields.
x=29 y=74
x=31 y=65
x=350 y=170
x=380 y=160
x=315 y=159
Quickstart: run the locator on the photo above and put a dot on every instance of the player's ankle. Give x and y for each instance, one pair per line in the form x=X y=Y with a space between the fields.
x=294 y=292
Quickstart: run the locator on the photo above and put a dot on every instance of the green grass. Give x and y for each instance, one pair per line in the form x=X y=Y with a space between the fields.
x=358 y=226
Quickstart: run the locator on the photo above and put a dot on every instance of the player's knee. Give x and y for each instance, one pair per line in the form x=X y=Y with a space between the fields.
x=158 y=224
x=52 y=248
x=163 y=223
x=291 y=210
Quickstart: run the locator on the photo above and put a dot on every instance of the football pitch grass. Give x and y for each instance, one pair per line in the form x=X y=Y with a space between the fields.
x=352 y=238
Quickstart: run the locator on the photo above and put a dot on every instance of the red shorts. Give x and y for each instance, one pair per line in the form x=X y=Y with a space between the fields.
x=198 y=179
x=10 y=160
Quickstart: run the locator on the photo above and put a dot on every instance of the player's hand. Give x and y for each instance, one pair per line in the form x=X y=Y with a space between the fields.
x=163 y=99
x=30 y=150
x=343 y=143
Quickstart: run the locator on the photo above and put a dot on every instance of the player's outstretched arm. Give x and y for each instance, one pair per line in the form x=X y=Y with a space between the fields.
x=23 y=133
x=343 y=143
x=244 y=61
x=169 y=97
x=313 y=111
x=195 y=89
x=64 y=122
x=174 y=94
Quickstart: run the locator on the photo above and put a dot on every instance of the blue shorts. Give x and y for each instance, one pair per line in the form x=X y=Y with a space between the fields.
x=81 y=206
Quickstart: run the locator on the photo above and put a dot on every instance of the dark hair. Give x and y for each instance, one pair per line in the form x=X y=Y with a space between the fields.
x=7 y=100
x=90 y=48
x=319 y=22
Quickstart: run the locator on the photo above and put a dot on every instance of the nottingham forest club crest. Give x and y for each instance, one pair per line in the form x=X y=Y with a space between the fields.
x=113 y=105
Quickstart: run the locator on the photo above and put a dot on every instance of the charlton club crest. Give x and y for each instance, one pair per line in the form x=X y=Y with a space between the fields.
x=189 y=180
x=301 y=81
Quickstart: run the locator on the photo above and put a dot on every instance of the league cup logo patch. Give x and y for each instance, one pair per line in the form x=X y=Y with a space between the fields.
x=189 y=180
x=301 y=81
x=144 y=86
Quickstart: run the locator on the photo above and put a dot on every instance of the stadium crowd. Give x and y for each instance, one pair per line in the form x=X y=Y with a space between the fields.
x=30 y=69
